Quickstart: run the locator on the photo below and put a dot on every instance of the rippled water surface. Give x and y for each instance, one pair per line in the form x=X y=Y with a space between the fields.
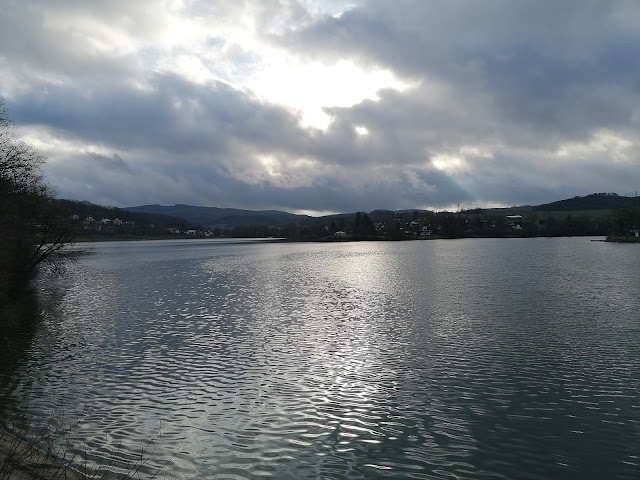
x=465 y=359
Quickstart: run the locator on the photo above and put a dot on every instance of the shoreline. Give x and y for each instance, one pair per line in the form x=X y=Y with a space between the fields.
x=100 y=239
x=622 y=239
x=22 y=460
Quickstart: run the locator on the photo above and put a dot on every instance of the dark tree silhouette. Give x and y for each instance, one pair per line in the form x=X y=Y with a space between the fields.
x=33 y=228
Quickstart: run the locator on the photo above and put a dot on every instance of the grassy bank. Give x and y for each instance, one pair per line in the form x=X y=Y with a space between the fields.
x=47 y=456
x=623 y=239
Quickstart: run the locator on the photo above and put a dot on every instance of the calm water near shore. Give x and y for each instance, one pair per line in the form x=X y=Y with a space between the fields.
x=474 y=359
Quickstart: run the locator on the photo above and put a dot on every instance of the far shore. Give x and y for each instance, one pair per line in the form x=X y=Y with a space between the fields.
x=127 y=238
x=134 y=238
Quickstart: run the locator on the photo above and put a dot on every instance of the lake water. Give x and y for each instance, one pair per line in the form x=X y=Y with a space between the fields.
x=474 y=359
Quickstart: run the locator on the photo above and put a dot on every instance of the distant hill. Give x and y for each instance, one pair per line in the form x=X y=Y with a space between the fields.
x=227 y=218
x=222 y=217
x=595 y=201
x=84 y=209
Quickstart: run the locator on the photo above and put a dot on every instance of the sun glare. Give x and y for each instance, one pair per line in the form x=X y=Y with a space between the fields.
x=308 y=87
x=449 y=163
x=315 y=213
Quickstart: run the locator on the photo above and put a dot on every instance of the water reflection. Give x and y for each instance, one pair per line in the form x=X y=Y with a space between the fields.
x=476 y=359
x=19 y=319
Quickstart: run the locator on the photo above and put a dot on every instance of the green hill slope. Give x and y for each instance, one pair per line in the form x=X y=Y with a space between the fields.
x=222 y=217
x=595 y=201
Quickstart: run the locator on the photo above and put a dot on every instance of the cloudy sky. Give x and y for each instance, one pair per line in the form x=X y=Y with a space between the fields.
x=326 y=105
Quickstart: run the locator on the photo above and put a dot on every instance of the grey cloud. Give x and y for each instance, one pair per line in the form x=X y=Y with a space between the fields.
x=114 y=162
x=36 y=47
x=540 y=63
x=175 y=116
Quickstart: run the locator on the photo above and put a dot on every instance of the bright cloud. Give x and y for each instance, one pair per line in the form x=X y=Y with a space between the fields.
x=309 y=86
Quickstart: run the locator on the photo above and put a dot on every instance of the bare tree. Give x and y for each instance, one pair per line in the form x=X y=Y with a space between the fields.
x=33 y=230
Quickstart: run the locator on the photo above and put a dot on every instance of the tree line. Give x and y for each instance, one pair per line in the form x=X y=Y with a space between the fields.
x=421 y=224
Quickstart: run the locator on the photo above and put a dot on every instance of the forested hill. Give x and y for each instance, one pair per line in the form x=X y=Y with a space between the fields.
x=222 y=217
x=595 y=201
x=84 y=209
x=227 y=218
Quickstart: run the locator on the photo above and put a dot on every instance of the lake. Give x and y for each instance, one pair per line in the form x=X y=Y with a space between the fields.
x=445 y=359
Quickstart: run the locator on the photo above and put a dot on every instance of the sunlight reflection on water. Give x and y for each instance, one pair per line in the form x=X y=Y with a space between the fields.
x=475 y=359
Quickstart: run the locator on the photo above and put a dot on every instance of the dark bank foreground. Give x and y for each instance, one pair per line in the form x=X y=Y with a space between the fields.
x=22 y=460
x=26 y=452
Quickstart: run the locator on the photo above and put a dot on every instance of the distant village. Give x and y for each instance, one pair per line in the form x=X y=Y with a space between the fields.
x=360 y=226
x=346 y=227
x=414 y=225
x=116 y=226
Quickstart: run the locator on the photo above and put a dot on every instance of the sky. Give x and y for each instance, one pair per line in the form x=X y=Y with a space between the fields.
x=317 y=107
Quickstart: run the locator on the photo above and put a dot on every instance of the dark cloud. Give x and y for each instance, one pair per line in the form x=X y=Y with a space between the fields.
x=173 y=115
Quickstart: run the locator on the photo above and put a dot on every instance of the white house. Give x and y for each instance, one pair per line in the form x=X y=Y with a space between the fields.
x=515 y=221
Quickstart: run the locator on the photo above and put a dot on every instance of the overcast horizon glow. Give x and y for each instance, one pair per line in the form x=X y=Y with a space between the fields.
x=326 y=106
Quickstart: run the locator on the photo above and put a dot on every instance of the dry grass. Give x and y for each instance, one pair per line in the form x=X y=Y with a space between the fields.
x=46 y=454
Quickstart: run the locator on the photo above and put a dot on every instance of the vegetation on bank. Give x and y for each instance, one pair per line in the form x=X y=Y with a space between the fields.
x=593 y=202
x=33 y=227
x=623 y=239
